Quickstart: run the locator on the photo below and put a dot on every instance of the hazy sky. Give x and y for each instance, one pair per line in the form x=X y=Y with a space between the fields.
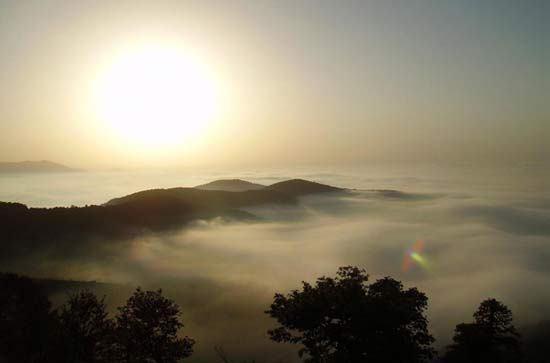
x=296 y=82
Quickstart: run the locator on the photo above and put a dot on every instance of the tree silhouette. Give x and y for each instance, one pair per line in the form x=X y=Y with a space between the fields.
x=147 y=328
x=345 y=320
x=26 y=321
x=490 y=338
x=86 y=330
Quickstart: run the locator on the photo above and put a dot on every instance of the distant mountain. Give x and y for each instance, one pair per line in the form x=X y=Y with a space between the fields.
x=42 y=166
x=299 y=187
x=198 y=199
x=230 y=185
x=24 y=229
x=282 y=192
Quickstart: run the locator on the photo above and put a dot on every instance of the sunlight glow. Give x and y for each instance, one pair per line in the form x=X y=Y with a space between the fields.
x=156 y=97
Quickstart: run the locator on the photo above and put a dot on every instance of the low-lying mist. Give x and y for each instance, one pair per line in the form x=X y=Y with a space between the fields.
x=224 y=273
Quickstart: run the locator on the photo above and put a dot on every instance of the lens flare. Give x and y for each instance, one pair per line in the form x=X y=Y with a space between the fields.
x=414 y=257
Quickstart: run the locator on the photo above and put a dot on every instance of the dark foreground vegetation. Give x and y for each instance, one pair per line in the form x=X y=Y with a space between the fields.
x=144 y=330
x=344 y=319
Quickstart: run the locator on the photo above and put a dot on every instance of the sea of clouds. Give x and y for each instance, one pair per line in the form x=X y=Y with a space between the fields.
x=485 y=235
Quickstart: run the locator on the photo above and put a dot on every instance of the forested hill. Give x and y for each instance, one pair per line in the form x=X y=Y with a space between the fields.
x=231 y=185
x=25 y=229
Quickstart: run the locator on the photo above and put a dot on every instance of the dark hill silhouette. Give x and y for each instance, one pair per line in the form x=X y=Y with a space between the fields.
x=230 y=185
x=282 y=192
x=69 y=230
x=42 y=166
x=211 y=200
x=299 y=187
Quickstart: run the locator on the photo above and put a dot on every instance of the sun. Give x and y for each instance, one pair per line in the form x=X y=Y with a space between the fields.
x=156 y=97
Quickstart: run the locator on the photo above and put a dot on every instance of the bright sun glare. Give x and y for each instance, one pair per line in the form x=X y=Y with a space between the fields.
x=156 y=97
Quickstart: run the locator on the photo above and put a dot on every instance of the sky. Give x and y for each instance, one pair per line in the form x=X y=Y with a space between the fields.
x=293 y=82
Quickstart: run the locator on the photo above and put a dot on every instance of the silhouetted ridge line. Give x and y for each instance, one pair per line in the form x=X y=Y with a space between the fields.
x=298 y=187
x=209 y=199
x=230 y=185
x=70 y=230
x=282 y=192
x=42 y=166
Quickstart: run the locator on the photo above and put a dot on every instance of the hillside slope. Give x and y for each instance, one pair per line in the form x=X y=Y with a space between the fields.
x=69 y=230
x=230 y=185
x=300 y=187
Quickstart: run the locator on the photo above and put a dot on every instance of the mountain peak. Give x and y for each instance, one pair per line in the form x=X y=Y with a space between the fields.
x=230 y=185
x=298 y=187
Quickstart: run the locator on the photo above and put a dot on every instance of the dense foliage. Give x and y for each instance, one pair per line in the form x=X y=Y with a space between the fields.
x=490 y=338
x=344 y=319
x=145 y=329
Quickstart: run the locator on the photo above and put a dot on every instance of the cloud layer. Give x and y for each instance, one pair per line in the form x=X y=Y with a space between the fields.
x=224 y=274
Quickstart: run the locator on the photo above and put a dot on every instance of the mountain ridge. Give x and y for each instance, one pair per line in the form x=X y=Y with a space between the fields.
x=300 y=187
x=34 y=166
x=285 y=191
x=230 y=185
x=25 y=229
